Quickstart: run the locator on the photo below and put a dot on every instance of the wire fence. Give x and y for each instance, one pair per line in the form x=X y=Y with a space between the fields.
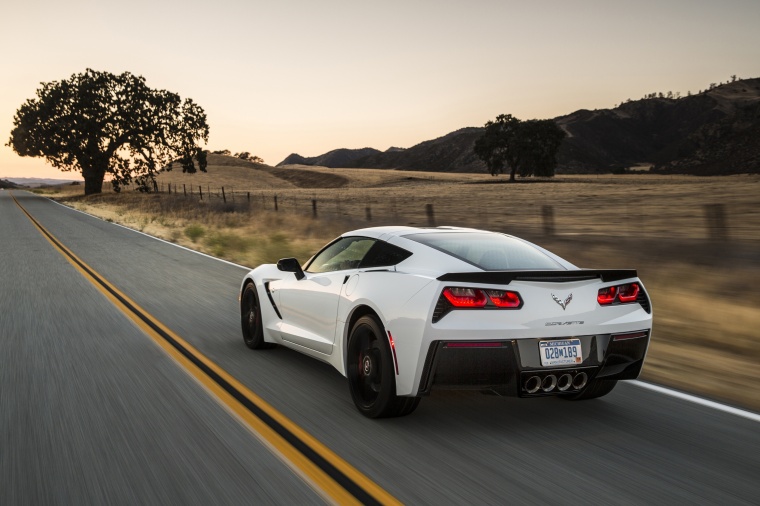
x=716 y=222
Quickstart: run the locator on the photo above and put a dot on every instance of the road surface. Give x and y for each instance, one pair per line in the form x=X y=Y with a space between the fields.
x=94 y=411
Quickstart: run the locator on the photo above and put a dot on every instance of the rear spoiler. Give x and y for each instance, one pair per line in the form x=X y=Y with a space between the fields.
x=506 y=277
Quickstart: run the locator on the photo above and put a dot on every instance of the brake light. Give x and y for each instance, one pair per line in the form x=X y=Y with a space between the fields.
x=503 y=298
x=620 y=294
x=465 y=297
x=607 y=295
x=628 y=293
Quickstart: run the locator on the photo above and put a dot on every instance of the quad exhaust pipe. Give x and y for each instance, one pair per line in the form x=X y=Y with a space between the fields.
x=533 y=384
x=580 y=380
x=549 y=383
x=565 y=382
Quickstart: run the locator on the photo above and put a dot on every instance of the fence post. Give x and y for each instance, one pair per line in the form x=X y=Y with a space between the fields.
x=275 y=203
x=716 y=221
x=430 y=215
x=184 y=189
x=314 y=208
x=547 y=214
x=368 y=212
x=155 y=186
x=224 y=197
x=200 y=191
x=248 y=195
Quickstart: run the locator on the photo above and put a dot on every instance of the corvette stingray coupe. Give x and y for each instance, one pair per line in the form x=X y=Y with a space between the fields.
x=400 y=311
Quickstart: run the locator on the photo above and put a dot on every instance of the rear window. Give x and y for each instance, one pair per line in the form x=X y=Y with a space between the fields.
x=490 y=252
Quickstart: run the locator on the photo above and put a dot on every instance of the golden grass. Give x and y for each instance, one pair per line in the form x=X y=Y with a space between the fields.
x=705 y=304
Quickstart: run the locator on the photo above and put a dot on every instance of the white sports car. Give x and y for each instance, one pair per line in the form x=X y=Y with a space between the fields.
x=400 y=311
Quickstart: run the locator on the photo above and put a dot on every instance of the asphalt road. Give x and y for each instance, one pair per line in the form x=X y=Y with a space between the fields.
x=93 y=412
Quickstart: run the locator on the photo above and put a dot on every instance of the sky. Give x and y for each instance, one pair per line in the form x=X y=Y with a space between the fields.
x=307 y=77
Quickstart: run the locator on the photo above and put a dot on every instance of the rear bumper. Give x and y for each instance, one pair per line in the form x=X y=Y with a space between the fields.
x=511 y=367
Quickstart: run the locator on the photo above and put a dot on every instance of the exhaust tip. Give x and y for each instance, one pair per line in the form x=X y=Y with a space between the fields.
x=564 y=382
x=580 y=380
x=532 y=384
x=549 y=383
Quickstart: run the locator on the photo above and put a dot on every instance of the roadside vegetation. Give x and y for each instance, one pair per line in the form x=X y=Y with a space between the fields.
x=235 y=233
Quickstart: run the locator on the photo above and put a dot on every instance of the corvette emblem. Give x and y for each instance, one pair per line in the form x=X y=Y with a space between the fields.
x=563 y=304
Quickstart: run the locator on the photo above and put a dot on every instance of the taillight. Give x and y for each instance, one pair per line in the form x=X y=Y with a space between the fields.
x=620 y=294
x=456 y=297
x=628 y=293
x=465 y=297
x=607 y=295
x=460 y=297
x=503 y=298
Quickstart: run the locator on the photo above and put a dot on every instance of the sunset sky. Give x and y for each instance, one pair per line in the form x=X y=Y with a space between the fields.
x=307 y=77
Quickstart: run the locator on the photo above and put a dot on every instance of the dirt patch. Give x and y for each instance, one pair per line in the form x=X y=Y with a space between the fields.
x=310 y=178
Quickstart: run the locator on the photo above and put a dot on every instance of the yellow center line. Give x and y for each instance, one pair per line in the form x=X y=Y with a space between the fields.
x=346 y=486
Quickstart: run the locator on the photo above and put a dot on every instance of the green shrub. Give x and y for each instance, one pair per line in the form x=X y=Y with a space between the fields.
x=221 y=243
x=194 y=232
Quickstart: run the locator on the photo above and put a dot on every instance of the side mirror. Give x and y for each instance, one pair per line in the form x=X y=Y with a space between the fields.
x=291 y=265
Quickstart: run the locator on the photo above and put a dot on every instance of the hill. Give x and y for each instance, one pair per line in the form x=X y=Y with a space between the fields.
x=337 y=158
x=713 y=132
x=233 y=173
x=4 y=183
x=34 y=182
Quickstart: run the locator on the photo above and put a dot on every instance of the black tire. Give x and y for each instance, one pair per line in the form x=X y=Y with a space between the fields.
x=595 y=388
x=371 y=372
x=250 y=319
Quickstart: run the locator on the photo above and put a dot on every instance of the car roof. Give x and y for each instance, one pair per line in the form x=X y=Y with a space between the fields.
x=386 y=233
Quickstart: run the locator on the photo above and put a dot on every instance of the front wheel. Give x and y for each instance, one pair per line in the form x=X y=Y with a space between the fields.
x=596 y=388
x=250 y=319
x=371 y=373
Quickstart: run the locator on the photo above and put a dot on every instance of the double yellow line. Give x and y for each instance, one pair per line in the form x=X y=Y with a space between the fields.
x=332 y=476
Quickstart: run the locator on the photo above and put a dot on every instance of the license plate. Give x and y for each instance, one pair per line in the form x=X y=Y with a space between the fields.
x=560 y=352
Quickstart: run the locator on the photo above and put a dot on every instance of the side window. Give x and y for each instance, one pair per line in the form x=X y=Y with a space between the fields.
x=345 y=253
x=383 y=254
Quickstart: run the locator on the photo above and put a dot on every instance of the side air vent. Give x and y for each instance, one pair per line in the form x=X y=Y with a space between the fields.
x=441 y=308
x=643 y=300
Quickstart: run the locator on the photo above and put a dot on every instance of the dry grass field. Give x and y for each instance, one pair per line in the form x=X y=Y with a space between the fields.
x=700 y=268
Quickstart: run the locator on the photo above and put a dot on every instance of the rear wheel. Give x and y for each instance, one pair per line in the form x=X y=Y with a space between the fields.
x=371 y=372
x=595 y=388
x=250 y=319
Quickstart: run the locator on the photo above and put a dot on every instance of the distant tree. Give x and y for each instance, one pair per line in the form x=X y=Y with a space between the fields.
x=245 y=155
x=525 y=147
x=225 y=152
x=733 y=78
x=98 y=123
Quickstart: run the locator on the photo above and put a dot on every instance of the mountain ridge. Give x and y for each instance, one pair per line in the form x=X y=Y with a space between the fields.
x=712 y=132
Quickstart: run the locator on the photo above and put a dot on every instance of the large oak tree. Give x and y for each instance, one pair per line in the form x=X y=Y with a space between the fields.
x=524 y=147
x=98 y=123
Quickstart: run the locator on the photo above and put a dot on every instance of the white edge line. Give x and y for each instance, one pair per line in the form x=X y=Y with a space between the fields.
x=151 y=236
x=698 y=400
x=649 y=386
